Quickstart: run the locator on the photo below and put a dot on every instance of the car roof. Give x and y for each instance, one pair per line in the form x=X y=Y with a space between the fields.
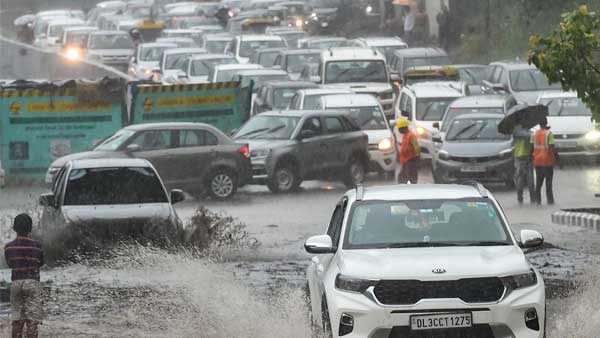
x=157 y=44
x=181 y=30
x=300 y=113
x=185 y=50
x=169 y=125
x=480 y=101
x=325 y=38
x=210 y=56
x=289 y=84
x=376 y=41
x=267 y=50
x=514 y=65
x=351 y=53
x=300 y=51
x=80 y=28
x=400 y=192
x=67 y=21
x=174 y=39
x=266 y=71
x=420 y=52
x=556 y=94
x=110 y=163
x=233 y=66
x=218 y=37
x=325 y=91
x=260 y=37
x=437 y=89
x=478 y=116
x=108 y=33
x=350 y=100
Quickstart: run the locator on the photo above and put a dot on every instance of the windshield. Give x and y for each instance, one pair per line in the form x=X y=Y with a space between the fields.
x=568 y=106
x=114 y=186
x=425 y=61
x=367 y=118
x=202 y=67
x=259 y=79
x=283 y=97
x=326 y=44
x=530 y=80
x=105 y=41
x=454 y=112
x=77 y=38
x=475 y=129
x=472 y=75
x=176 y=61
x=114 y=142
x=248 y=47
x=152 y=53
x=215 y=46
x=424 y=223
x=268 y=128
x=432 y=109
x=267 y=59
x=295 y=63
x=355 y=71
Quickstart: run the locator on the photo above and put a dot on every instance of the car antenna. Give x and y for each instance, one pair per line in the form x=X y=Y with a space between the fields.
x=360 y=192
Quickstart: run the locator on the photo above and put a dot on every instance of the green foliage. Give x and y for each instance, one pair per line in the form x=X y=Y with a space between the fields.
x=570 y=55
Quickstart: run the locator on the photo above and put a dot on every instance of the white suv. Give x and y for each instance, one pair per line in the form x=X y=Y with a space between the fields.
x=362 y=70
x=424 y=261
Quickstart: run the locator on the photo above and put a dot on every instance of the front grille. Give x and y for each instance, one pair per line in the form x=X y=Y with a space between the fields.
x=567 y=136
x=481 y=159
x=571 y=150
x=477 y=331
x=469 y=290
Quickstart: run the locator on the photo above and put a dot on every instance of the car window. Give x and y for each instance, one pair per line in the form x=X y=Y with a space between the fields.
x=432 y=109
x=334 y=125
x=566 y=106
x=389 y=224
x=313 y=124
x=97 y=186
x=467 y=129
x=153 y=140
x=503 y=77
x=196 y=138
x=335 y=225
x=312 y=102
x=294 y=104
x=59 y=182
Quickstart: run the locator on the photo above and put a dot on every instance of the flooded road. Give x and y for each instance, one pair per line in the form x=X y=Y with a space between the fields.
x=148 y=292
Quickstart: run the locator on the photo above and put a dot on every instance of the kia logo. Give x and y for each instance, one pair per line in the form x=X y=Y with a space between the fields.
x=438 y=270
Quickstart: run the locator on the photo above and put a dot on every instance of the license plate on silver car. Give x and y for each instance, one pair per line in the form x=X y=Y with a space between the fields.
x=441 y=321
x=472 y=169
x=566 y=145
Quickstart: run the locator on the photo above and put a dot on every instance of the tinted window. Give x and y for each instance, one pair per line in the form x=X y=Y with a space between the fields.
x=197 y=138
x=474 y=130
x=455 y=112
x=530 y=80
x=153 y=140
x=115 y=141
x=114 y=186
x=295 y=63
x=268 y=127
x=355 y=71
x=334 y=125
x=312 y=102
x=151 y=53
x=248 y=47
x=424 y=223
x=367 y=118
x=432 y=109
x=473 y=75
x=568 y=106
x=313 y=124
x=110 y=42
x=282 y=97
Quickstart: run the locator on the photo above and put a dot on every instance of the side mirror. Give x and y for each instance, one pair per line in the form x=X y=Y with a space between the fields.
x=395 y=77
x=132 y=148
x=232 y=132
x=304 y=134
x=47 y=200
x=177 y=196
x=531 y=239
x=392 y=123
x=319 y=245
x=436 y=139
x=436 y=125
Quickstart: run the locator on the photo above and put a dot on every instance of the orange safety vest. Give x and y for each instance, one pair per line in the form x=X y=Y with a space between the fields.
x=407 y=151
x=543 y=156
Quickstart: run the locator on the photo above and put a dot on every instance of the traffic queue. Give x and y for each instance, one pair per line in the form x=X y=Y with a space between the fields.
x=295 y=82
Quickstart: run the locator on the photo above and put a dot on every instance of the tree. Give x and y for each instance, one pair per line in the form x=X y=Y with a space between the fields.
x=570 y=54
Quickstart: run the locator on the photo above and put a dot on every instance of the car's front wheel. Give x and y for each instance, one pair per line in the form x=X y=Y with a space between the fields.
x=284 y=179
x=222 y=184
x=356 y=172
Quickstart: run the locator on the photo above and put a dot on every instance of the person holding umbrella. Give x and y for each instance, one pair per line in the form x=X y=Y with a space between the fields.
x=523 y=164
x=544 y=159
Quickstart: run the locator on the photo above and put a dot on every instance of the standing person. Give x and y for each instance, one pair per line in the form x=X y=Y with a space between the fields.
x=409 y=24
x=421 y=30
x=25 y=256
x=443 y=19
x=544 y=158
x=523 y=164
x=410 y=153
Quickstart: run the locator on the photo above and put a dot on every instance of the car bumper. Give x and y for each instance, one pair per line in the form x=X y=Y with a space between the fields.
x=578 y=148
x=382 y=161
x=492 y=171
x=504 y=319
x=260 y=172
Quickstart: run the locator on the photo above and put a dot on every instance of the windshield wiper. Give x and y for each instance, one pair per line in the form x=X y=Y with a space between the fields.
x=478 y=132
x=427 y=111
x=260 y=130
x=462 y=131
x=263 y=131
x=343 y=72
x=487 y=243
x=419 y=245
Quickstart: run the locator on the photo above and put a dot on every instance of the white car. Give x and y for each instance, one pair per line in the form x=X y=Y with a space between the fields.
x=242 y=46
x=424 y=104
x=366 y=111
x=199 y=66
x=226 y=73
x=424 y=261
x=363 y=70
x=56 y=29
x=215 y=43
x=174 y=62
x=575 y=134
x=387 y=45
x=146 y=59
x=310 y=99
x=112 y=48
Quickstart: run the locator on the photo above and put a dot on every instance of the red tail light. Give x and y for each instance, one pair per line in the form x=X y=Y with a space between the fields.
x=245 y=150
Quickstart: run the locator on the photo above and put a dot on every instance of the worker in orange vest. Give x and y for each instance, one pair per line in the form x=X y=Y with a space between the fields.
x=410 y=152
x=544 y=158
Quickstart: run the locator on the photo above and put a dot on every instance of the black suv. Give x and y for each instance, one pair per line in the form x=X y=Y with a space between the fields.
x=291 y=146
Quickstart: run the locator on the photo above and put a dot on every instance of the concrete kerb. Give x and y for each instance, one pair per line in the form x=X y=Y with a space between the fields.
x=573 y=218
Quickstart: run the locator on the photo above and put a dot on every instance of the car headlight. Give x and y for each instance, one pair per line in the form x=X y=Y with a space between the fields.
x=443 y=155
x=73 y=54
x=369 y=9
x=421 y=132
x=520 y=281
x=385 y=144
x=351 y=284
x=299 y=23
x=260 y=153
x=506 y=153
x=593 y=136
x=53 y=170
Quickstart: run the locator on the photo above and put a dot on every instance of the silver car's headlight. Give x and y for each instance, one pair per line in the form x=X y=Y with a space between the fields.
x=508 y=153
x=53 y=170
x=593 y=136
x=443 y=155
x=351 y=284
x=520 y=281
